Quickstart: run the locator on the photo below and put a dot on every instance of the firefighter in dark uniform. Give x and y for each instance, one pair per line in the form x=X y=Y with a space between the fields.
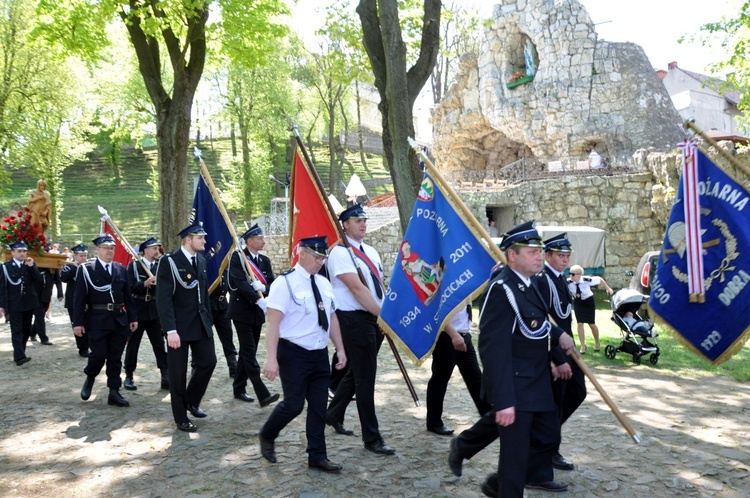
x=514 y=346
x=50 y=280
x=68 y=275
x=143 y=288
x=222 y=324
x=103 y=309
x=182 y=302
x=19 y=278
x=570 y=387
x=247 y=308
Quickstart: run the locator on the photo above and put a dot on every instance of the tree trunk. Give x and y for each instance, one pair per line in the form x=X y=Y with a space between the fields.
x=398 y=89
x=360 y=135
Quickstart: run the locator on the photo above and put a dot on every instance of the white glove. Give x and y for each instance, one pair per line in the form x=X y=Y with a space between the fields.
x=258 y=286
x=262 y=303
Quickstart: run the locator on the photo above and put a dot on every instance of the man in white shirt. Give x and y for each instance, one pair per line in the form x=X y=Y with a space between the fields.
x=357 y=309
x=300 y=321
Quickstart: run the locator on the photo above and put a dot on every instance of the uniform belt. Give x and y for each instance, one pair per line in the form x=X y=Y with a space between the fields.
x=146 y=298
x=107 y=307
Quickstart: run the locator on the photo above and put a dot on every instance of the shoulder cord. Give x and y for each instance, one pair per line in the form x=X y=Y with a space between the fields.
x=176 y=278
x=556 y=303
x=8 y=279
x=540 y=333
x=103 y=288
x=291 y=294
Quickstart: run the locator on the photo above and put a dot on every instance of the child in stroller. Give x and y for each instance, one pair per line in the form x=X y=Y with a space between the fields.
x=639 y=336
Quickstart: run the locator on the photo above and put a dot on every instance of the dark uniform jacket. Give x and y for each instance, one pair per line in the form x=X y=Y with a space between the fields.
x=243 y=297
x=184 y=310
x=219 y=298
x=516 y=368
x=50 y=279
x=21 y=297
x=68 y=275
x=143 y=297
x=565 y=299
x=88 y=303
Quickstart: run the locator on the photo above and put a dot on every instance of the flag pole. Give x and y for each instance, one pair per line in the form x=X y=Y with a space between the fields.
x=722 y=152
x=230 y=226
x=125 y=244
x=467 y=215
x=347 y=245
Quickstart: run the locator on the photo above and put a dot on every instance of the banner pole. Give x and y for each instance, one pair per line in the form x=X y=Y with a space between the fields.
x=125 y=244
x=217 y=200
x=723 y=153
x=348 y=247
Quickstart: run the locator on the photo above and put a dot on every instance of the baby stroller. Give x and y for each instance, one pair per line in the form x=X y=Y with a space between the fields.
x=639 y=338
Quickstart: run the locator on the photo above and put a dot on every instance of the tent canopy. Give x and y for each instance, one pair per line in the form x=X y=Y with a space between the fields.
x=587 y=242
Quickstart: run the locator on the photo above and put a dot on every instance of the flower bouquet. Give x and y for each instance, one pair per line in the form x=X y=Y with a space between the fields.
x=18 y=228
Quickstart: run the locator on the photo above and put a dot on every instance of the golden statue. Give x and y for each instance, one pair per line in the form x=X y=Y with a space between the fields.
x=40 y=206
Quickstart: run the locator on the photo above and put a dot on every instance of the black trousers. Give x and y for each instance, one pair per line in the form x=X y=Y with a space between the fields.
x=155 y=337
x=107 y=347
x=20 y=331
x=444 y=360
x=39 y=328
x=362 y=340
x=203 y=361
x=336 y=375
x=223 y=326
x=526 y=450
x=304 y=377
x=82 y=343
x=247 y=364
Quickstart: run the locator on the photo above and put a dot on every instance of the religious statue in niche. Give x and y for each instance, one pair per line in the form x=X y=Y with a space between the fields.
x=528 y=54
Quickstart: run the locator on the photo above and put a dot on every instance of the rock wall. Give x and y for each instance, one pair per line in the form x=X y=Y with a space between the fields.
x=585 y=93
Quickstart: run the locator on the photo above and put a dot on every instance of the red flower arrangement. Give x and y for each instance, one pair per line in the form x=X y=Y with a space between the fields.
x=18 y=228
x=516 y=76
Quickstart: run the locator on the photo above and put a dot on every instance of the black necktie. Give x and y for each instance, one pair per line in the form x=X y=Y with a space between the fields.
x=578 y=291
x=106 y=268
x=375 y=280
x=194 y=263
x=322 y=318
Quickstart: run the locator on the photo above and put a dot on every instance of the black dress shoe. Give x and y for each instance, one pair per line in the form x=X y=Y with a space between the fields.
x=129 y=383
x=325 y=465
x=187 y=426
x=339 y=428
x=47 y=342
x=489 y=486
x=116 y=399
x=83 y=354
x=197 y=412
x=23 y=360
x=380 y=448
x=455 y=460
x=441 y=431
x=267 y=449
x=270 y=399
x=560 y=463
x=244 y=397
x=551 y=486
x=87 y=385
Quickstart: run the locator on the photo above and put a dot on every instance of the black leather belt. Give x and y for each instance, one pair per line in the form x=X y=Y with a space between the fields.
x=107 y=307
x=144 y=298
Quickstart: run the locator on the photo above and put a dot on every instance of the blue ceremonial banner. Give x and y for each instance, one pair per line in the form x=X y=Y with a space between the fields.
x=219 y=240
x=441 y=266
x=717 y=328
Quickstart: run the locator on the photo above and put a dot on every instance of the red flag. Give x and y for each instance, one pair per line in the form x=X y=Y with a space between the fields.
x=310 y=215
x=121 y=255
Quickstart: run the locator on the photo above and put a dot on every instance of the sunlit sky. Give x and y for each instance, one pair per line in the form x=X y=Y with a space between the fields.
x=656 y=25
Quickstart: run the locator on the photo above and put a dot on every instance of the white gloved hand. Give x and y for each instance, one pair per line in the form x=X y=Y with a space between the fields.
x=262 y=303
x=258 y=286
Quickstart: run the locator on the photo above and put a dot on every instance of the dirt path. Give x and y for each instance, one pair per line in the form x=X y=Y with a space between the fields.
x=695 y=432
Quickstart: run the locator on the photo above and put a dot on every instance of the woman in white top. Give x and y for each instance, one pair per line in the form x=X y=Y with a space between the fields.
x=583 y=303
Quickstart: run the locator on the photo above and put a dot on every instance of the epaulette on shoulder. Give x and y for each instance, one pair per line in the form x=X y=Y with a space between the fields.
x=287 y=272
x=67 y=267
x=587 y=279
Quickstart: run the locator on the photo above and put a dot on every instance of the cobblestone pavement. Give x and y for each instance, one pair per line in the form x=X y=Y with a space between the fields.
x=695 y=437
